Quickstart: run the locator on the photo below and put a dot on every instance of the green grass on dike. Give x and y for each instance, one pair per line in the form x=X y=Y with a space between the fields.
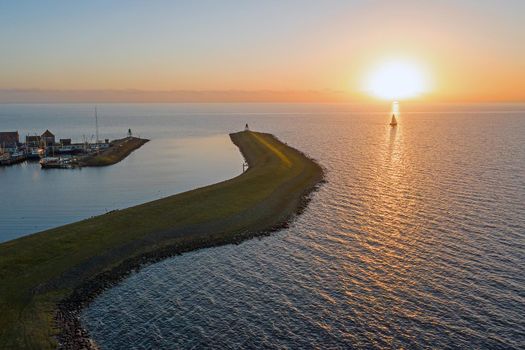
x=39 y=270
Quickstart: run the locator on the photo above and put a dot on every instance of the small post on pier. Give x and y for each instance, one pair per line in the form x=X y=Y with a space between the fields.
x=246 y=128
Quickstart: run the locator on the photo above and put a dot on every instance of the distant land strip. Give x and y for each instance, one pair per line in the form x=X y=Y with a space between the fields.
x=48 y=277
x=118 y=150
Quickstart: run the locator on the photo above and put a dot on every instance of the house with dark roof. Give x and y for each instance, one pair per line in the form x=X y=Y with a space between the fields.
x=9 y=139
x=32 y=141
x=48 y=138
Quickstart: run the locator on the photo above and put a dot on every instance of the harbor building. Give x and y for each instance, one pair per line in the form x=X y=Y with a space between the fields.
x=9 y=140
x=48 y=138
x=33 y=141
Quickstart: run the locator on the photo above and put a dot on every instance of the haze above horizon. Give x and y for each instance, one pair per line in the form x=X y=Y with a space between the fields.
x=273 y=51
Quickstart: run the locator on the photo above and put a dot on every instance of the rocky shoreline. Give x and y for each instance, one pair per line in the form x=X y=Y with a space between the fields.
x=73 y=336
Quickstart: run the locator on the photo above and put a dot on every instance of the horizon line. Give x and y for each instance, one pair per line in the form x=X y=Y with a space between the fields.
x=133 y=95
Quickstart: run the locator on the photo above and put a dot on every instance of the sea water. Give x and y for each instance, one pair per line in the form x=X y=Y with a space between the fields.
x=417 y=240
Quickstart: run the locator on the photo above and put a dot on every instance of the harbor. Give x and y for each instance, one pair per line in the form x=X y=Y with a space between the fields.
x=63 y=153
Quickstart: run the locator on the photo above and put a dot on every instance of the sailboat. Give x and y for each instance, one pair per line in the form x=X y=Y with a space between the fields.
x=393 y=122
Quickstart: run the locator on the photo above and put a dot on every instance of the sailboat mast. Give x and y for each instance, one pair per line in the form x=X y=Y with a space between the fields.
x=96 y=124
x=395 y=110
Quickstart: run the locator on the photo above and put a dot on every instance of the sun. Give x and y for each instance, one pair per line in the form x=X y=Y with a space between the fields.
x=396 y=80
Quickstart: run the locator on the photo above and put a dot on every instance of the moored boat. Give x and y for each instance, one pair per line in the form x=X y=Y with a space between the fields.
x=34 y=153
x=66 y=149
x=4 y=158
x=57 y=163
x=7 y=158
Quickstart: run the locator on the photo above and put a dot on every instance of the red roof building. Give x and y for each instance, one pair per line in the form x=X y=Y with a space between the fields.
x=9 y=139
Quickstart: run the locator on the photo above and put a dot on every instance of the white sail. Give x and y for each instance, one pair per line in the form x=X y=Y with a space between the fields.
x=394 y=121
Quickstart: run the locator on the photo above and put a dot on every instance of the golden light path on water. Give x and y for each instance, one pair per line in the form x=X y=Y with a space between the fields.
x=388 y=195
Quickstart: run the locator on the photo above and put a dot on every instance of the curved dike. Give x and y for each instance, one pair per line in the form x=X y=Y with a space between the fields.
x=46 y=278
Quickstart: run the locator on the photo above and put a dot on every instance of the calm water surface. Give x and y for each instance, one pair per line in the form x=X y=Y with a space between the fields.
x=416 y=241
x=178 y=158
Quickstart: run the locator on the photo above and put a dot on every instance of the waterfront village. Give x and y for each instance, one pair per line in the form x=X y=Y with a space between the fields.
x=63 y=153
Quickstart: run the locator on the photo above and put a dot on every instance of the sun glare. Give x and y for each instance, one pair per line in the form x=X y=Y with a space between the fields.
x=396 y=80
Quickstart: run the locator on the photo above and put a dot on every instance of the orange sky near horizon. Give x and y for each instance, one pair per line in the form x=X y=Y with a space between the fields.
x=471 y=52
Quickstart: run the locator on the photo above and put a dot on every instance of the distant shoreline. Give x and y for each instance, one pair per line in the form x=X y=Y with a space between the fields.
x=50 y=276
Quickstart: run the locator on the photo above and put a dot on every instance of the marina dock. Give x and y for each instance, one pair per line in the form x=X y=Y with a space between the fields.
x=64 y=154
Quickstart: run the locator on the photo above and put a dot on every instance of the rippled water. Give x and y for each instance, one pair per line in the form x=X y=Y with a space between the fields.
x=416 y=241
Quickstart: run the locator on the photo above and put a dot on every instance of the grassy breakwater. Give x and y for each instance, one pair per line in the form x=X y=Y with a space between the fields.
x=118 y=150
x=46 y=278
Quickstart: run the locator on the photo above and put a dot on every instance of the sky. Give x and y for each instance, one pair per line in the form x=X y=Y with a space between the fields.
x=247 y=50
